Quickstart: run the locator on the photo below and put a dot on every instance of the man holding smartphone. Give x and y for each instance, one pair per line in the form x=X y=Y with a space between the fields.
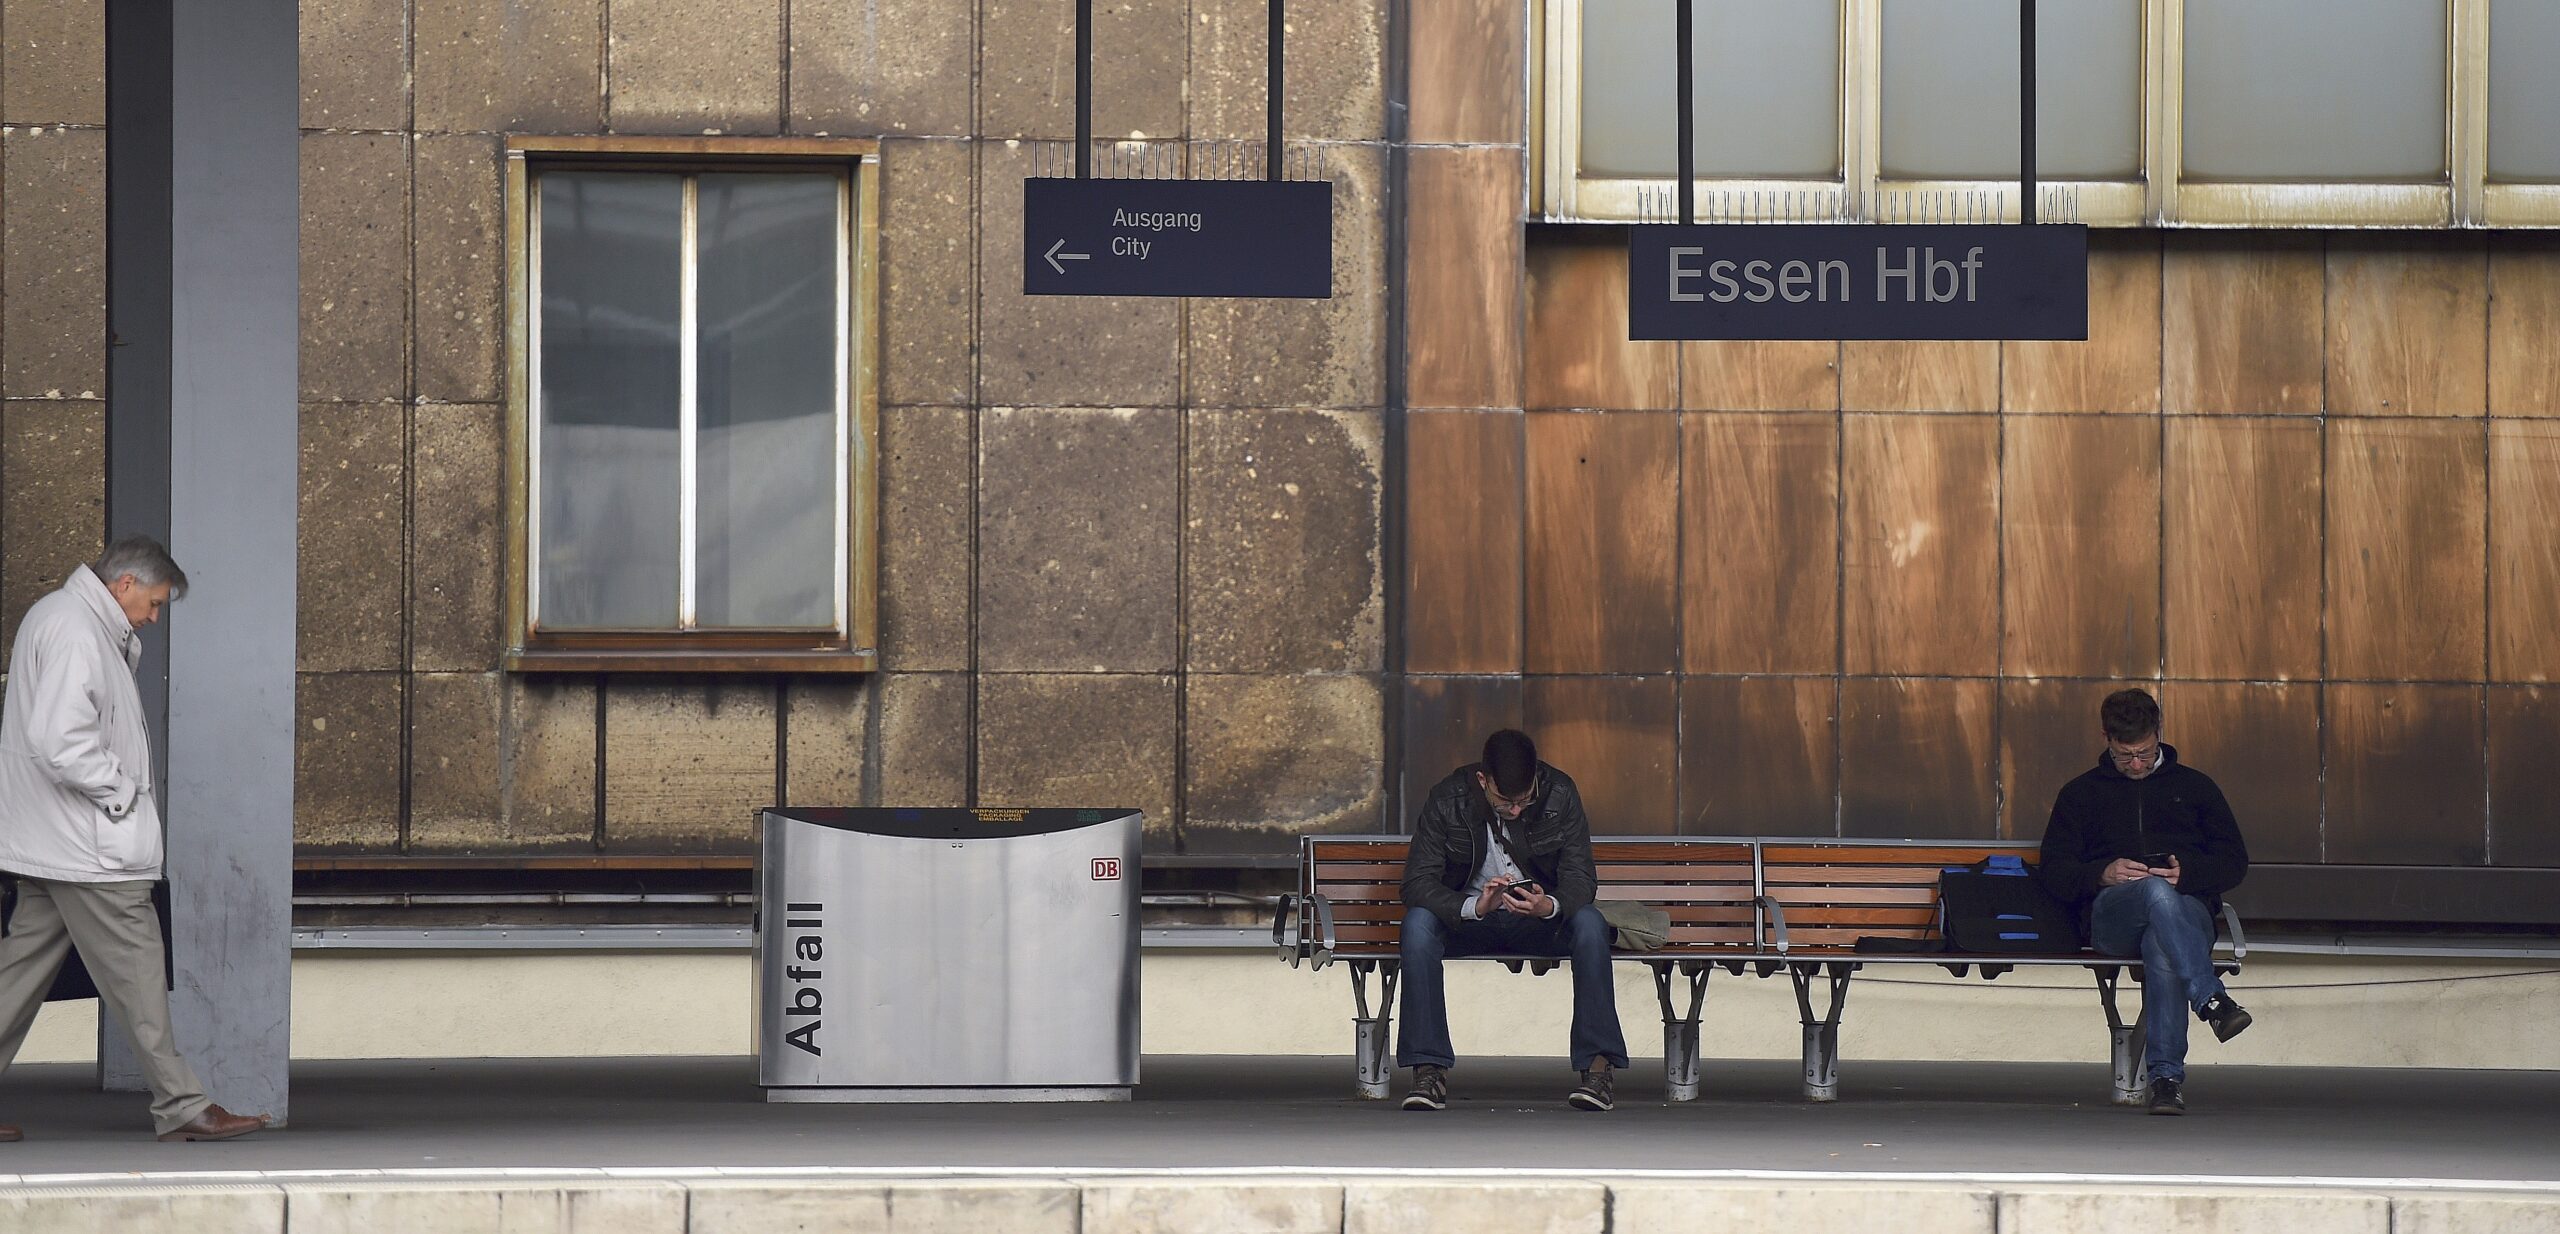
x=1500 y=864
x=2144 y=846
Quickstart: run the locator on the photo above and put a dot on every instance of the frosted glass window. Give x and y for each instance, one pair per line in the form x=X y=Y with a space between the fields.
x=609 y=437
x=619 y=430
x=2315 y=90
x=2524 y=90
x=1950 y=85
x=769 y=285
x=1767 y=89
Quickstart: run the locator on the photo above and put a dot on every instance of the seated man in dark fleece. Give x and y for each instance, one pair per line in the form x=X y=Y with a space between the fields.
x=1501 y=865
x=2144 y=846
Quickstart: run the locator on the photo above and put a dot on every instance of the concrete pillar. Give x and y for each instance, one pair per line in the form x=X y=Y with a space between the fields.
x=203 y=231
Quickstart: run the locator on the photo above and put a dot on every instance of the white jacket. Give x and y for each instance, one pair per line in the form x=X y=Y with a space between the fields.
x=76 y=804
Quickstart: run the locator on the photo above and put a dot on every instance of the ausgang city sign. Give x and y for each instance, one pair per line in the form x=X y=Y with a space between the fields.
x=1832 y=281
x=1177 y=238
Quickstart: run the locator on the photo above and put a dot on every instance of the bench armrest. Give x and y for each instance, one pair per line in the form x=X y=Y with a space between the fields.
x=1777 y=920
x=1324 y=929
x=2239 y=940
x=1284 y=938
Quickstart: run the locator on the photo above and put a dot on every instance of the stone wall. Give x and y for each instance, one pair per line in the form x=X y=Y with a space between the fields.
x=53 y=297
x=1130 y=549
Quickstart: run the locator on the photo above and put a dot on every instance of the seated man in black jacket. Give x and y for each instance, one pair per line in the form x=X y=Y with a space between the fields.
x=1501 y=865
x=2144 y=846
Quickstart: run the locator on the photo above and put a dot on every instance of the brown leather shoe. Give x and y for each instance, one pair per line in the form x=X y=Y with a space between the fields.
x=216 y=1123
x=10 y=1135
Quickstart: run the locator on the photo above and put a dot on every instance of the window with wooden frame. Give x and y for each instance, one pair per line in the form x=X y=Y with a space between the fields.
x=2255 y=113
x=692 y=440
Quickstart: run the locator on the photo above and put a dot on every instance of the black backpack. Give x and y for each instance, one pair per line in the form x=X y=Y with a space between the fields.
x=1996 y=906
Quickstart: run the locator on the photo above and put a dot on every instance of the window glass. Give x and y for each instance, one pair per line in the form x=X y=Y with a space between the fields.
x=767 y=292
x=2524 y=90
x=2315 y=90
x=1767 y=89
x=1950 y=82
x=609 y=404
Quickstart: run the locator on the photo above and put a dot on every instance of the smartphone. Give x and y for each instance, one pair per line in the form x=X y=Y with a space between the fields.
x=1528 y=890
x=2159 y=861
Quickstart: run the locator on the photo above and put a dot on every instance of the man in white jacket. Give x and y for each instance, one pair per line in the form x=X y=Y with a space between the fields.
x=80 y=829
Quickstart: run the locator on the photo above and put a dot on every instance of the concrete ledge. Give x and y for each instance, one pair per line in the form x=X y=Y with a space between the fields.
x=1423 y=1202
x=144 y=1209
x=1812 y=1208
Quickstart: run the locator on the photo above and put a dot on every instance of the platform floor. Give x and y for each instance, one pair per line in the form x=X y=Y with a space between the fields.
x=1973 y=1120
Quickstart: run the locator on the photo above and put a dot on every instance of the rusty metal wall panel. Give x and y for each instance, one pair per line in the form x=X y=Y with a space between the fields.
x=1446 y=720
x=2118 y=368
x=1603 y=542
x=2524 y=780
x=1920 y=544
x=1578 y=351
x=1759 y=755
x=2524 y=317
x=2407 y=504
x=1899 y=376
x=2524 y=550
x=2243 y=548
x=2406 y=784
x=2241 y=323
x=2048 y=734
x=1759 y=544
x=2080 y=529
x=2408 y=325
x=1916 y=758
x=1616 y=737
x=1463 y=542
x=1762 y=375
x=2261 y=743
x=1463 y=278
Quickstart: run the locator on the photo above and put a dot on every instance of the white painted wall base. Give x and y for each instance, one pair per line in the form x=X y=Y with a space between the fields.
x=2311 y=1011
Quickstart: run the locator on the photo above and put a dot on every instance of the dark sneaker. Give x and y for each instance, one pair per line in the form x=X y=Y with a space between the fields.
x=2165 y=1098
x=2228 y=1018
x=1430 y=1089
x=1596 y=1090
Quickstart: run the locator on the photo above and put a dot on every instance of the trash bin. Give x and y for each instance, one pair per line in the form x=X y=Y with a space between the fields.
x=947 y=955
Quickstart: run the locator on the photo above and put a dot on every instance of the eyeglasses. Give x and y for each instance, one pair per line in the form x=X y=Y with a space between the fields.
x=2143 y=757
x=1512 y=804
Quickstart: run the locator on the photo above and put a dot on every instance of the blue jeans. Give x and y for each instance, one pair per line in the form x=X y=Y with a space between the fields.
x=1584 y=937
x=2172 y=932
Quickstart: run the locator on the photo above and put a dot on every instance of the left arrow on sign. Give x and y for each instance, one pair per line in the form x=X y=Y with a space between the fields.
x=1053 y=255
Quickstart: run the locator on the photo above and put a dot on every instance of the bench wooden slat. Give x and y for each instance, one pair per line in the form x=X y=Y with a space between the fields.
x=1675 y=893
x=1690 y=914
x=1816 y=896
x=1881 y=854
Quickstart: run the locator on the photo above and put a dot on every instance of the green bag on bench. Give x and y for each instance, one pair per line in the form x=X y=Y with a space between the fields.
x=1635 y=926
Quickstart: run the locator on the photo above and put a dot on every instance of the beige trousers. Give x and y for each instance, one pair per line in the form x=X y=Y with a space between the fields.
x=119 y=939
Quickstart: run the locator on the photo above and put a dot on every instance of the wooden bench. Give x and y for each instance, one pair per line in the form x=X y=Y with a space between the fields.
x=1350 y=908
x=1757 y=905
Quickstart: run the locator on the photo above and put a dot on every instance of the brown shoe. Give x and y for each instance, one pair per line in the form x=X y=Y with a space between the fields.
x=216 y=1123
x=10 y=1135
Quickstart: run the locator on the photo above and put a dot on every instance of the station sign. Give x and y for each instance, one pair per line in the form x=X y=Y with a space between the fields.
x=1229 y=238
x=1836 y=281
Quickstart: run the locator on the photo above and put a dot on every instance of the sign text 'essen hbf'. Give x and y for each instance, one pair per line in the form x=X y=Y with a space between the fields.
x=1834 y=281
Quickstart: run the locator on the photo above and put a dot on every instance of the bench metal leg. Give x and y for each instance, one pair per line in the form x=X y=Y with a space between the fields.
x=1372 y=1044
x=1679 y=1032
x=2124 y=1041
x=1821 y=1036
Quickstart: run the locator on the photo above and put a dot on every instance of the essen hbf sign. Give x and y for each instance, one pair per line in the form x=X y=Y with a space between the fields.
x=1832 y=281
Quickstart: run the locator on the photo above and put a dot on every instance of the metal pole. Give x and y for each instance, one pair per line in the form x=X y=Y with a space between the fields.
x=2027 y=111
x=1084 y=89
x=1688 y=114
x=1271 y=100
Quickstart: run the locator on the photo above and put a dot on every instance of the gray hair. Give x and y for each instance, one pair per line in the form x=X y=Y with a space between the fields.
x=146 y=559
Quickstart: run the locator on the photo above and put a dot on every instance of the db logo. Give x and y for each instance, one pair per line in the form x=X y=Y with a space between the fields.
x=1106 y=869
